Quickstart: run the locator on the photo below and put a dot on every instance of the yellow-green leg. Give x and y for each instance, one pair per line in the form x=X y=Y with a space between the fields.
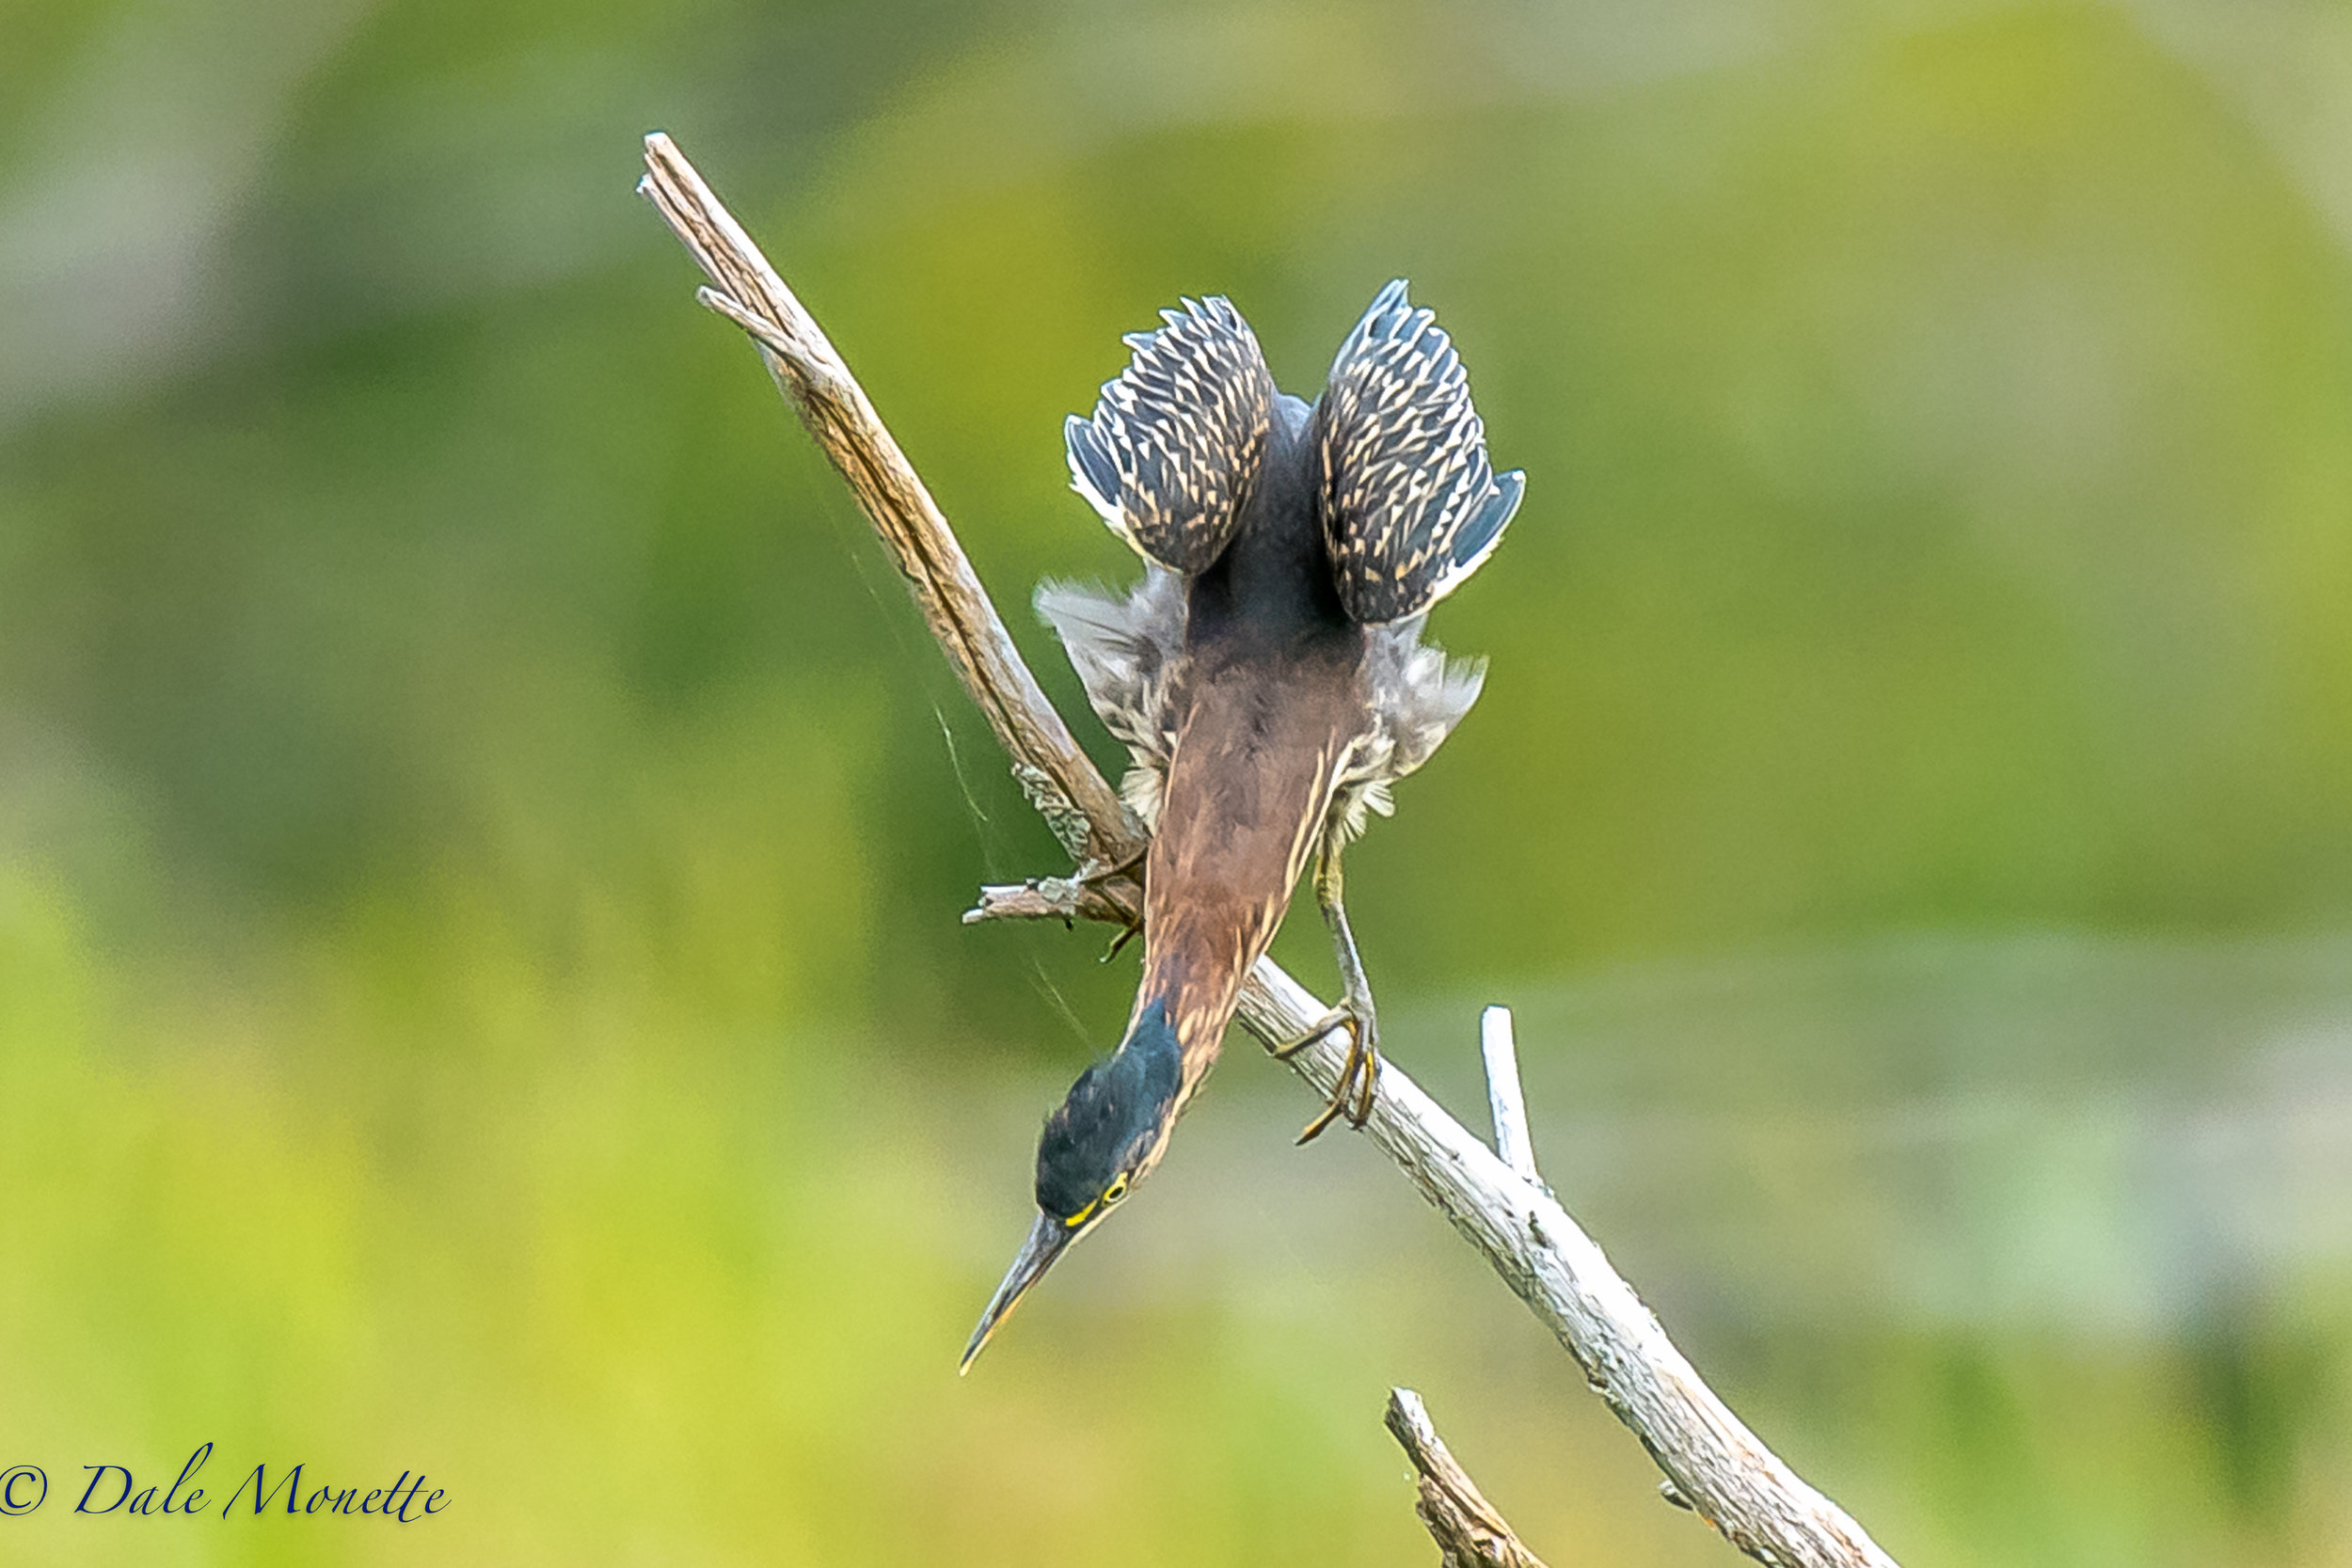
x=1355 y=1012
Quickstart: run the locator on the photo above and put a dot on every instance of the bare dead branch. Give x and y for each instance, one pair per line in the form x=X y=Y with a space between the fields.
x=1726 y=1476
x=1469 y=1532
x=1084 y=811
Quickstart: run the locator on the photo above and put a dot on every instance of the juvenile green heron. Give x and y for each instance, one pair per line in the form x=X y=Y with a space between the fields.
x=1269 y=676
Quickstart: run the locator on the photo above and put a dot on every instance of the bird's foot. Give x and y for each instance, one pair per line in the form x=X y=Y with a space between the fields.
x=1095 y=873
x=1352 y=1096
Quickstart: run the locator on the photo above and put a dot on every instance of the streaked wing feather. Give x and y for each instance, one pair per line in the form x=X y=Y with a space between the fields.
x=1177 y=438
x=1411 y=507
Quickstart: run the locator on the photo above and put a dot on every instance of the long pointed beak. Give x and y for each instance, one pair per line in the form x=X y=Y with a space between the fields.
x=1048 y=1240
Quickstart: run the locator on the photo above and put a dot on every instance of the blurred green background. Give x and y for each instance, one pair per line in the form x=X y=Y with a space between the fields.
x=481 y=827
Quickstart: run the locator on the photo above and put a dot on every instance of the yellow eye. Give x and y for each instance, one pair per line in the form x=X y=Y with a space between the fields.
x=1117 y=1190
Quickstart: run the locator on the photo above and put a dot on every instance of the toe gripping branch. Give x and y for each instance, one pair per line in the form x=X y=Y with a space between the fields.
x=1353 y=1095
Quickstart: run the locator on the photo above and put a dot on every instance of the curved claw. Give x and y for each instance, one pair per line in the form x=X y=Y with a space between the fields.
x=1096 y=873
x=1359 y=1075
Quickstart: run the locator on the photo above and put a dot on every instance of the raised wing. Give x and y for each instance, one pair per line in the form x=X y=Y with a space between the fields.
x=1177 y=439
x=1411 y=505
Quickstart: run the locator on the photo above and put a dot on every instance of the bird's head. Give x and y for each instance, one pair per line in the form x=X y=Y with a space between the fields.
x=1103 y=1140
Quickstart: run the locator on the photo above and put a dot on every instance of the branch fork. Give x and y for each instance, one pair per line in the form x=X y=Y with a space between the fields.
x=1713 y=1464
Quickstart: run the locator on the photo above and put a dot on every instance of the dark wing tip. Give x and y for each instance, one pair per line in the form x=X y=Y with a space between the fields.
x=1094 y=472
x=1088 y=455
x=1502 y=503
x=1374 y=321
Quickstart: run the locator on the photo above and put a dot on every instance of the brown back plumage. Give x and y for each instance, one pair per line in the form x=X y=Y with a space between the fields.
x=1260 y=743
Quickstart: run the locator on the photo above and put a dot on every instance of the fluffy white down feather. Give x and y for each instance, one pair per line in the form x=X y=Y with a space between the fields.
x=1126 y=649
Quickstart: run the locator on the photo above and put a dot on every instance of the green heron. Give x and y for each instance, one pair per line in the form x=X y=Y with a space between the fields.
x=1269 y=676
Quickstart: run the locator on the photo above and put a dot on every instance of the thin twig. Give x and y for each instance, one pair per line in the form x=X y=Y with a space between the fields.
x=1506 y=1100
x=1469 y=1532
x=1710 y=1460
x=1062 y=898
